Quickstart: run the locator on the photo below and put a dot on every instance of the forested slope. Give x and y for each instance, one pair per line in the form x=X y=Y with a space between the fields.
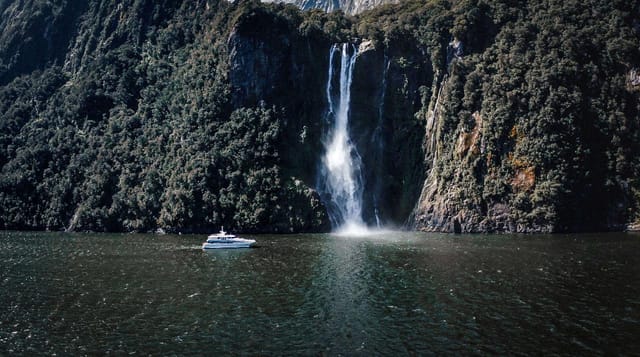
x=186 y=115
x=134 y=128
x=539 y=131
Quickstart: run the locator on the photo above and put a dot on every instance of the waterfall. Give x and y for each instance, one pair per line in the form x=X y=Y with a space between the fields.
x=340 y=181
x=332 y=52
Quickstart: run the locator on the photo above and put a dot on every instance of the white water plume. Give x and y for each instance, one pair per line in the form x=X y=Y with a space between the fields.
x=340 y=172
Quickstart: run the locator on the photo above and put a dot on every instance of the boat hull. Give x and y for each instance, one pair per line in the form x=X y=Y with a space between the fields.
x=233 y=245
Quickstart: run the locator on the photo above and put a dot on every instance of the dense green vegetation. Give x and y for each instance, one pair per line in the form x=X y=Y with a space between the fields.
x=139 y=133
x=139 y=115
x=559 y=121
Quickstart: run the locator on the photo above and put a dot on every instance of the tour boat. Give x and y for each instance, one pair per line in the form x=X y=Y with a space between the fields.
x=223 y=240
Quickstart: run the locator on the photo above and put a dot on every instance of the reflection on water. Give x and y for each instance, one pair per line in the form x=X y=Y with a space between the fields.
x=391 y=293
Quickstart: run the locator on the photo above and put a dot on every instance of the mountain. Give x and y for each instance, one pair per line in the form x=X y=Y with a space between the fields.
x=351 y=7
x=468 y=116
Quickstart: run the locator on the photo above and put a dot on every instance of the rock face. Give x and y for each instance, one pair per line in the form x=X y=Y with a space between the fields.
x=351 y=7
x=385 y=96
x=468 y=116
x=634 y=77
x=275 y=69
x=283 y=69
x=35 y=35
x=506 y=152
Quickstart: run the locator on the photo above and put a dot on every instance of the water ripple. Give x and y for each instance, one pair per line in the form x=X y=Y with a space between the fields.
x=392 y=294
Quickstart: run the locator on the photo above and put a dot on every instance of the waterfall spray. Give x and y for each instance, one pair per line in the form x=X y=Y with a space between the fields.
x=340 y=180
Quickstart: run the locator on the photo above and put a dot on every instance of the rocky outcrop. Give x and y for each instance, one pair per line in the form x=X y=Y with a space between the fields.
x=72 y=34
x=351 y=7
x=257 y=66
x=283 y=69
x=515 y=142
x=36 y=34
x=633 y=78
x=469 y=142
x=384 y=97
x=454 y=50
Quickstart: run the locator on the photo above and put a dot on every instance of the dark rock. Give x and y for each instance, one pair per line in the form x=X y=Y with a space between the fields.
x=454 y=50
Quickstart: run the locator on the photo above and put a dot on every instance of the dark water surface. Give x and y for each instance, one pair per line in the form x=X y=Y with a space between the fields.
x=392 y=294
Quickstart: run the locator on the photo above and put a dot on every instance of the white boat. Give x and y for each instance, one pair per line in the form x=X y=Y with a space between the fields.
x=223 y=240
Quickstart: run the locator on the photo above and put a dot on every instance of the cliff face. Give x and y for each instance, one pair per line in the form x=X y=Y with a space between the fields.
x=35 y=35
x=468 y=116
x=158 y=115
x=351 y=7
x=38 y=34
x=287 y=69
x=385 y=96
x=523 y=137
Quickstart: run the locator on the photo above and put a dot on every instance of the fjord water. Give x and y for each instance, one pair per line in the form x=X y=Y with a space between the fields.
x=393 y=293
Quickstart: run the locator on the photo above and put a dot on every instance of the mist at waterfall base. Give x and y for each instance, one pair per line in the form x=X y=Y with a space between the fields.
x=340 y=175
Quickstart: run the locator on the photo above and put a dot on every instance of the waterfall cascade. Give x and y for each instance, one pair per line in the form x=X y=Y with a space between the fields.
x=340 y=181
